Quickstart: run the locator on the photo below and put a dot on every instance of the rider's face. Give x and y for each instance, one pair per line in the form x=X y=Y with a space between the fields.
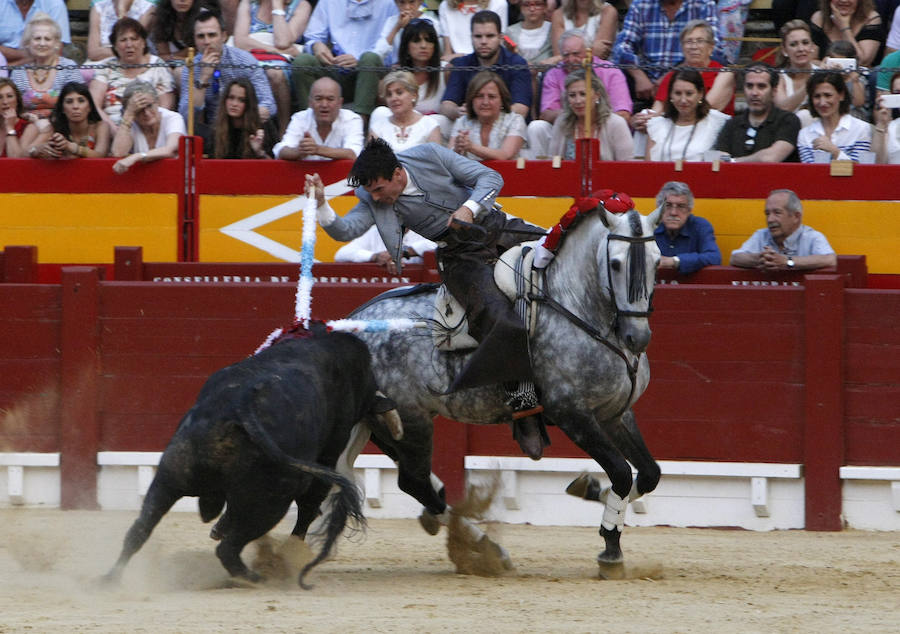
x=385 y=191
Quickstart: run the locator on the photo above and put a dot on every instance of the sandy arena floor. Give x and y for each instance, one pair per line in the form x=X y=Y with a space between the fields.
x=399 y=579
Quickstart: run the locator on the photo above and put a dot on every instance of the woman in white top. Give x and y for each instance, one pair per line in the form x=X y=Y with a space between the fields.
x=886 y=137
x=611 y=129
x=834 y=130
x=108 y=84
x=598 y=20
x=147 y=132
x=799 y=50
x=404 y=127
x=420 y=50
x=388 y=45
x=688 y=128
x=490 y=130
x=456 y=23
x=104 y=14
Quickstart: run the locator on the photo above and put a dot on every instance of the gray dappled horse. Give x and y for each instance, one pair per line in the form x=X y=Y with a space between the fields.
x=587 y=349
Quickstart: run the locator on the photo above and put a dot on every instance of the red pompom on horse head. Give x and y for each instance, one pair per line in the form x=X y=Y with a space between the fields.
x=614 y=202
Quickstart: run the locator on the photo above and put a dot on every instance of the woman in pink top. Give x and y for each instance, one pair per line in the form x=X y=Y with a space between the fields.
x=611 y=129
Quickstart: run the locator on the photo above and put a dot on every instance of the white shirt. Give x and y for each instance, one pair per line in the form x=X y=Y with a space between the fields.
x=685 y=142
x=362 y=249
x=390 y=52
x=401 y=139
x=346 y=132
x=893 y=142
x=893 y=38
x=851 y=136
x=169 y=123
x=456 y=24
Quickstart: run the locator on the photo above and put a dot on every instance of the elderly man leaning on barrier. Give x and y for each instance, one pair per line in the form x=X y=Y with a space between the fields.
x=687 y=242
x=325 y=130
x=786 y=244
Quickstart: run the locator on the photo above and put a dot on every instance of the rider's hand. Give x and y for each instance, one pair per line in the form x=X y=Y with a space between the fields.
x=464 y=214
x=315 y=187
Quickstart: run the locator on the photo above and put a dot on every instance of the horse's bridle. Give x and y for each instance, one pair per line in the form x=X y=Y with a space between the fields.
x=593 y=331
x=612 y=290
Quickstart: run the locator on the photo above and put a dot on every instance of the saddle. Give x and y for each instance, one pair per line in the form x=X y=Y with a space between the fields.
x=516 y=278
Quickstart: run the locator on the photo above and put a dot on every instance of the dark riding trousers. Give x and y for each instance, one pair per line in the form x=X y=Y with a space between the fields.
x=466 y=264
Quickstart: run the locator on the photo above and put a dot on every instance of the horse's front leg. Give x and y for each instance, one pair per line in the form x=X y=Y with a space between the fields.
x=627 y=437
x=593 y=439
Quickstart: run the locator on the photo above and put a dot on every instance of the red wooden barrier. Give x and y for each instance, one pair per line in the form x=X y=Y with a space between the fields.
x=750 y=374
x=79 y=431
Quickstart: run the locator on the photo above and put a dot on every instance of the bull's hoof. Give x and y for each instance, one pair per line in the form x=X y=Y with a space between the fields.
x=216 y=533
x=430 y=523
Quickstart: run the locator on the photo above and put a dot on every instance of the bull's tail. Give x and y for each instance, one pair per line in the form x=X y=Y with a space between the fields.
x=347 y=503
x=346 y=506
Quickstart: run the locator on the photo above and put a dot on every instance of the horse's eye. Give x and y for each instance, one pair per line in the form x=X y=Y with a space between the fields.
x=616 y=265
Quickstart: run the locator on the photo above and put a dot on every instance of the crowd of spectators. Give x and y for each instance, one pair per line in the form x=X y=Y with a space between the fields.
x=491 y=79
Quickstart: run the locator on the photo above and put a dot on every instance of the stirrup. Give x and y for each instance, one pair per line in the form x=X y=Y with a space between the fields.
x=523 y=413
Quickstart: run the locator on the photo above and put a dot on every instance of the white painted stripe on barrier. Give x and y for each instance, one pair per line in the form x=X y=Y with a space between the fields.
x=668 y=467
x=128 y=458
x=29 y=459
x=870 y=473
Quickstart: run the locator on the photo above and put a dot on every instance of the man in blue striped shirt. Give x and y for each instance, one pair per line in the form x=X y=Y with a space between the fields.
x=650 y=37
x=226 y=63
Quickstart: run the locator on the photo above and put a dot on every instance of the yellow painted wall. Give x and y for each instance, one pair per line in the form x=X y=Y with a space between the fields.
x=734 y=220
x=84 y=228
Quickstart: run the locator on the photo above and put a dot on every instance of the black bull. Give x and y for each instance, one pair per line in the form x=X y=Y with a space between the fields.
x=264 y=432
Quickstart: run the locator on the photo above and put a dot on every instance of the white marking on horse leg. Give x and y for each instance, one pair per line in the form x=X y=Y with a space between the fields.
x=436 y=484
x=614 y=513
x=634 y=493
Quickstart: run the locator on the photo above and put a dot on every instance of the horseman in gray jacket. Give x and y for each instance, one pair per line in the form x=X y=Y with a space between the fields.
x=450 y=199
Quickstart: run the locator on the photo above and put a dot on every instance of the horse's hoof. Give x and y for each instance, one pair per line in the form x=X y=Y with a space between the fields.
x=215 y=533
x=498 y=551
x=608 y=557
x=430 y=523
x=611 y=571
x=587 y=487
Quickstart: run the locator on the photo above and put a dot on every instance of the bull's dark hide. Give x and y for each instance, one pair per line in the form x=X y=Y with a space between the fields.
x=265 y=431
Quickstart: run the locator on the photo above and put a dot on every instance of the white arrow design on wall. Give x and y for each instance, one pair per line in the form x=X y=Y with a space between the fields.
x=244 y=229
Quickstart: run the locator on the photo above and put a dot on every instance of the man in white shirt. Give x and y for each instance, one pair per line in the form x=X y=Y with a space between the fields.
x=324 y=131
x=786 y=244
x=369 y=247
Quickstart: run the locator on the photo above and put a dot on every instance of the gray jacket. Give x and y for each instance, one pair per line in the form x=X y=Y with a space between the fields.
x=447 y=181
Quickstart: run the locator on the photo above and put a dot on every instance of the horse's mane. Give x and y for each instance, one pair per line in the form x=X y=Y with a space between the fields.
x=637 y=272
x=615 y=203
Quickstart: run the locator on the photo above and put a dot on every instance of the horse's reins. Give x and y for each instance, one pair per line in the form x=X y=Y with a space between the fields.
x=593 y=331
